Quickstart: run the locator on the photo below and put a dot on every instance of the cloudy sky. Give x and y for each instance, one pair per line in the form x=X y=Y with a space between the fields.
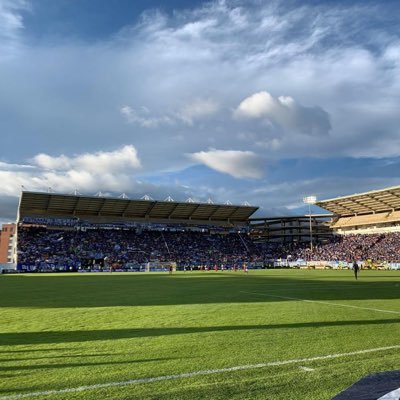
x=257 y=101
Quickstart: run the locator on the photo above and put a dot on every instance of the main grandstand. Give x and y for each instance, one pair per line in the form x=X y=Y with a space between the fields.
x=75 y=232
x=68 y=232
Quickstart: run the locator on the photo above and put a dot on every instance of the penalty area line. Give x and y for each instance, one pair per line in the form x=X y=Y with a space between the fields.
x=193 y=374
x=326 y=303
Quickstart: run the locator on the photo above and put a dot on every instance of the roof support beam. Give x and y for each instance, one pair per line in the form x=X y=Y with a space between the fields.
x=194 y=210
x=75 y=205
x=336 y=204
x=48 y=203
x=360 y=203
x=382 y=202
x=233 y=212
x=214 y=212
x=102 y=206
x=148 y=211
x=394 y=194
x=173 y=210
x=128 y=203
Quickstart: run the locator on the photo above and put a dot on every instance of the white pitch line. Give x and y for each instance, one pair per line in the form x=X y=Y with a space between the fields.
x=327 y=303
x=307 y=369
x=193 y=374
x=393 y=395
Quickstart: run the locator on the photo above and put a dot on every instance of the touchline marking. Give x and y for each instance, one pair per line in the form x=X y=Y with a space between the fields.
x=307 y=369
x=327 y=303
x=193 y=374
x=394 y=395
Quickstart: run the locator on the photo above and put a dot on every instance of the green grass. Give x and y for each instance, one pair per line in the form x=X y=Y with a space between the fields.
x=67 y=330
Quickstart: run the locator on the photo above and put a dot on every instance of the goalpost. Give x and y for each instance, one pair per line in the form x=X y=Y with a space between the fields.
x=157 y=265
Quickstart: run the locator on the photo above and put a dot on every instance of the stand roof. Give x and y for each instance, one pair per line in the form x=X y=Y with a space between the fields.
x=100 y=209
x=364 y=203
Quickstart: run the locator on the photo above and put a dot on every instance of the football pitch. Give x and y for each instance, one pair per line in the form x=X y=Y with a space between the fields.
x=270 y=334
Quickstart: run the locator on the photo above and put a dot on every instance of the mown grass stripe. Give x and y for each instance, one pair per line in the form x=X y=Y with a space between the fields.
x=193 y=374
x=327 y=303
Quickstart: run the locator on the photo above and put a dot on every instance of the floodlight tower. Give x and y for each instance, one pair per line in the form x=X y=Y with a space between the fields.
x=310 y=200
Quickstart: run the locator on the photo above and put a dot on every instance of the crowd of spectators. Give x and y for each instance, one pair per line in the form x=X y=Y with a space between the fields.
x=75 y=248
x=83 y=248
x=376 y=247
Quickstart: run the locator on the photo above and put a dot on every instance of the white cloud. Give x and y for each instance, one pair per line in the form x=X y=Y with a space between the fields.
x=239 y=164
x=50 y=162
x=113 y=171
x=256 y=106
x=124 y=159
x=198 y=109
x=11 y=25
x=142 y=117
x=194 y=110
x=285 y=112
x=185 y=67
x=14 y=167
x=191 y=68
x=102 y=162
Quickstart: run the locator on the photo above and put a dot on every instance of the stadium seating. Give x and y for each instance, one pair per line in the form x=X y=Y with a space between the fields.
x=79 y=249
x=368 y=219
x=73 y=249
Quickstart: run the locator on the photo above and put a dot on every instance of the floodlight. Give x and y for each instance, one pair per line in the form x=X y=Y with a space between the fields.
x=310 y=199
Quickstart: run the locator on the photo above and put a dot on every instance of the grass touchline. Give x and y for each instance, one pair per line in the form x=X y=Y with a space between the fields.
x=323 y=302
x=196 y=373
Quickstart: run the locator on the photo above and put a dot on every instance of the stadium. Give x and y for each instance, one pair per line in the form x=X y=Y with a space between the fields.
x=57 y=232
x=134 y=299
x=125 y=271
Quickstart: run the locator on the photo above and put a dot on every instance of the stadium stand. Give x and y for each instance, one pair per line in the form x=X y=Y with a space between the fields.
x=65 y=232
x=42 y=248
x=378 y=247
x=380 y=219
x=363 y=227
x=68 y=232
x=370 y=212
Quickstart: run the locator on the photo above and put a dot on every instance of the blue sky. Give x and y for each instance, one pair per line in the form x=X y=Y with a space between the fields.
x=264 y=102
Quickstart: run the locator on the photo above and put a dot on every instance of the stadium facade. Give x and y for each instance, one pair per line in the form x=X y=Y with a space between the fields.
x=7 y=243
x=292 y=229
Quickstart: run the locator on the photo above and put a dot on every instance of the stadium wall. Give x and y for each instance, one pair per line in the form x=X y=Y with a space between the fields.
x=7 y=243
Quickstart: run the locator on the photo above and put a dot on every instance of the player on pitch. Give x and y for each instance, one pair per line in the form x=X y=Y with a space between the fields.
x=355 y=269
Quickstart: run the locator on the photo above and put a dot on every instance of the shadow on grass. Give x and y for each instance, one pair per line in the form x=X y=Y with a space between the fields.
x=34 y=350
x=44 y=291
x=55 y=356
x=12 y=368
x=24 y=338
